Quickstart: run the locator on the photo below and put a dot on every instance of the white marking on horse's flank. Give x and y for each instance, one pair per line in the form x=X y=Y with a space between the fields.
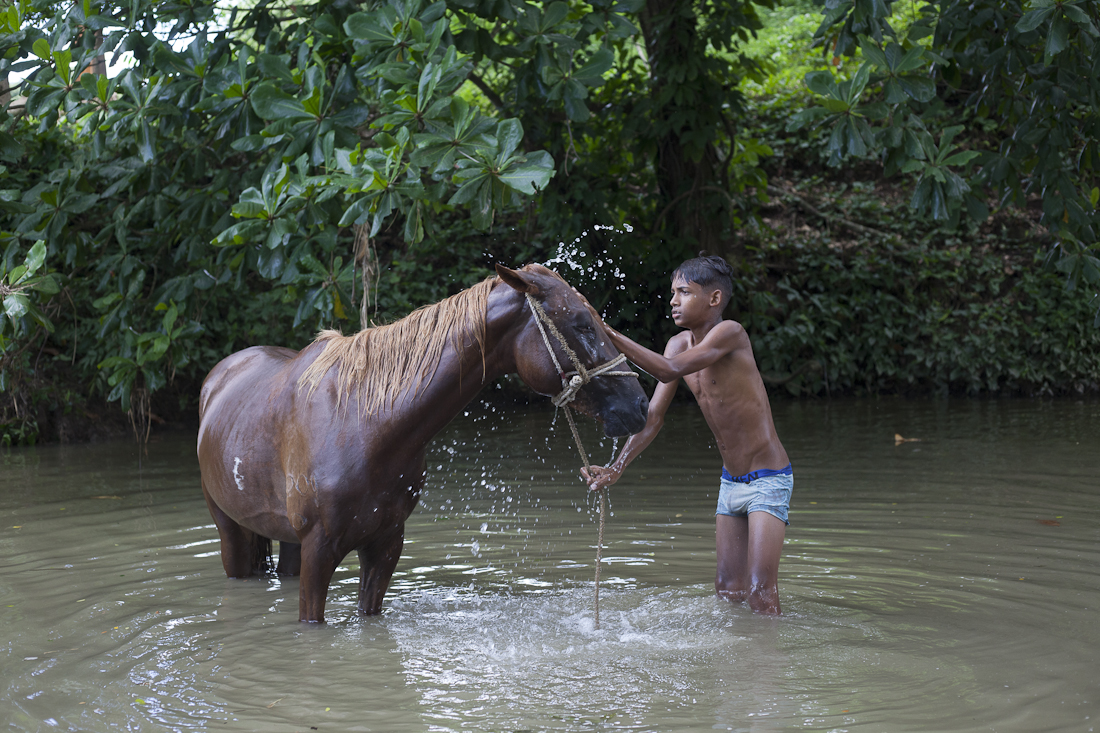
x=236 y=476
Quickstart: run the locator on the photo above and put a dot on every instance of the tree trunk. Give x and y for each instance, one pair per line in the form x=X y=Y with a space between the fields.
x=99 y=63
x=685 y=124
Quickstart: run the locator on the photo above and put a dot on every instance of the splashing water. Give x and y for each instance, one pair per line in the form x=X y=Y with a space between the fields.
x=577 y=259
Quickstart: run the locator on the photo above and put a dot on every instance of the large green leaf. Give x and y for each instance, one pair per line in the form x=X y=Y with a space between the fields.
x=509 y=135
x=16 y=306
x=1057 y=38
x=822 y=82
x=275 y=66
x=10 y=148
x=376 y=26
x=36 y=257
x=272 y=103
x=920 y=88
x=146 y=141
x=598 y=65
x=530 y=176
x=470 y=187
x=1032 y=19
x=961 y=158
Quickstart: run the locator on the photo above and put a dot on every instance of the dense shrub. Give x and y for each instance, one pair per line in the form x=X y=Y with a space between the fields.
x=915 y=320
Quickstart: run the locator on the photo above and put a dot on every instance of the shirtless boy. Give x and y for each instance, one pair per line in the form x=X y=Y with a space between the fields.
x=715 y=359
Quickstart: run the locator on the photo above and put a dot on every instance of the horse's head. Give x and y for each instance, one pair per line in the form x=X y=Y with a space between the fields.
x=615 y=400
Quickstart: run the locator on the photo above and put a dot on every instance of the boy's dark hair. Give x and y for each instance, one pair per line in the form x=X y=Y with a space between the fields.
x=711 y=273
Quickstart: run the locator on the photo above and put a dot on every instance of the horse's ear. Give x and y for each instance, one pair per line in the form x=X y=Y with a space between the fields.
x=517 y=280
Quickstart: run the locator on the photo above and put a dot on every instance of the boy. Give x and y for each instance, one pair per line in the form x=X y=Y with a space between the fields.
x=716 y=361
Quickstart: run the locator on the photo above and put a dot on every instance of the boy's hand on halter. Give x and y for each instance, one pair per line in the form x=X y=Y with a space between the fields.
x=600 y=477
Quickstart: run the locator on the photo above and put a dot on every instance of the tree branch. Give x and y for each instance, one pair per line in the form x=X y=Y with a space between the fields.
x=733 y=141
x=487 y=91
x=810 y=366
x=827 y=217
x=685 y=194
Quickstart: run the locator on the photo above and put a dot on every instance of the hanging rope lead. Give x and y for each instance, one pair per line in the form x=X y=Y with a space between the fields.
x=571 y=383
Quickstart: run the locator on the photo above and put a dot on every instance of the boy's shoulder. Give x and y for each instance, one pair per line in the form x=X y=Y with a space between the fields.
x=681 y=339
x=729 y=336
x=678 y=343
x=725 y=330
x=731 y=327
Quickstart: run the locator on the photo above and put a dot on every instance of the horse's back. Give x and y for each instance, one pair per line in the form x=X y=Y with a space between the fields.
x=241 y=394
x=253 y=366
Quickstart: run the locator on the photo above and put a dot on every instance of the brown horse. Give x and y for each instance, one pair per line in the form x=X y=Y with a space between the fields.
x=323 y=449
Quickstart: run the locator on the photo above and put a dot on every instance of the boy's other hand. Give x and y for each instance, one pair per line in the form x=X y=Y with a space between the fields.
x=600 y=477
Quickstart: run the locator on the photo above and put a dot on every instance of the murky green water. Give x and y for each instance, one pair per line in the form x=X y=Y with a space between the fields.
x=949 y=585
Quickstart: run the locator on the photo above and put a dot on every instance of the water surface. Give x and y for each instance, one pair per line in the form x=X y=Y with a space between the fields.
x=948 y=584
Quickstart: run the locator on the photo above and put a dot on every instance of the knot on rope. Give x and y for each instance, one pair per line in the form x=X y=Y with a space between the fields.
x=570 y=389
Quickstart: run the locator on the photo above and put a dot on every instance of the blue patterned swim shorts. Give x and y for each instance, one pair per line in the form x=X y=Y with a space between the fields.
x=766 y=490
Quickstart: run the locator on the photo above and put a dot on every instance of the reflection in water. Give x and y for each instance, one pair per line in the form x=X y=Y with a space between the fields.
x=946 y=584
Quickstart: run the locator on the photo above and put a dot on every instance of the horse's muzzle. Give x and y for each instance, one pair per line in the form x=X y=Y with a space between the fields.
x=625 y=417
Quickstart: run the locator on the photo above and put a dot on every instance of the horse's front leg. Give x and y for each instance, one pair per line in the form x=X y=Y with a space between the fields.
x=376 y=565
x=319 y=561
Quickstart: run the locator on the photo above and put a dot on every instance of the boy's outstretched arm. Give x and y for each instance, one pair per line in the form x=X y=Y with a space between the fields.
x=599 y=477
x=678 y=360
x=725 y=337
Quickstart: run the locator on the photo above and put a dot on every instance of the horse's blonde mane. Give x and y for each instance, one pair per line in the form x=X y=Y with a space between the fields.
x=384 y=361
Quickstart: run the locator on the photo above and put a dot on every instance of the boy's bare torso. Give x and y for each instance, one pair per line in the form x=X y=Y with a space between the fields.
x=735 y=405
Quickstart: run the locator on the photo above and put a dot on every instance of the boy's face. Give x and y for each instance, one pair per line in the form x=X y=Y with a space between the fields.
x=690 y=303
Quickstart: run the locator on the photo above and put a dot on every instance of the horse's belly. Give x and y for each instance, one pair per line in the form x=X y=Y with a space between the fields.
x=248 y=489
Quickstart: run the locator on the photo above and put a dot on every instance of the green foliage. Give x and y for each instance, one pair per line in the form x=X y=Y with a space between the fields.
x=18 y=432
x=1030 y=110
x=250 y=169
x=664 y=151
x=232 y=174
x=888 y=319
x=140 y=350
x=232 y=171
x=784 y=50
x=23 y=291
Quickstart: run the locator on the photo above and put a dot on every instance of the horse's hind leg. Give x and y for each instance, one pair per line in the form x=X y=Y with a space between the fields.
x=244 y=552
x=290 y=558
x=376 y=565
x=319 y=560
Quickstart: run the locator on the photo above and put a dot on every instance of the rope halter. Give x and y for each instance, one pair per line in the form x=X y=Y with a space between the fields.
x=571 y=382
